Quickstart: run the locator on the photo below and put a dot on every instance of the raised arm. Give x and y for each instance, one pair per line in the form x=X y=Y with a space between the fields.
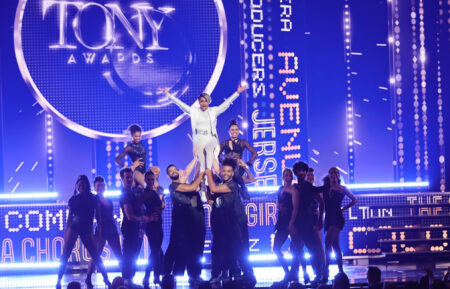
x=352 y=197
x=191 y=187
x=252 y=151
x=221 y=189
x=248 y=178
x=184 y=174
x=226 y=104
x=184 y=107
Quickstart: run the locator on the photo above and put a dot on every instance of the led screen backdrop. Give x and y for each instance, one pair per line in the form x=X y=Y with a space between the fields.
x=332 y=83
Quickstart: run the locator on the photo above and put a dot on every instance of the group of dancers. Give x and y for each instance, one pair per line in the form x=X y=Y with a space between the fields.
x=220 y=179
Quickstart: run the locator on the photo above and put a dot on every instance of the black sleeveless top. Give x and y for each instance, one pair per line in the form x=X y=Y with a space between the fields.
x=238 y=148
x=82 y=212
x=136 y=151
x=333 y=211
x=109 y=229
x=284 y=215
x=153 y=204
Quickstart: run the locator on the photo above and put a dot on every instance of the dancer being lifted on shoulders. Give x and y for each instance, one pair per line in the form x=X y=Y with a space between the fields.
x=204 y=122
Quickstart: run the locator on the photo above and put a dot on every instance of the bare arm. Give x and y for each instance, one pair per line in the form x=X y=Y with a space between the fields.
x=352 y=197
x=319 y=199
x=184 y=175
x=252 y=151
x=128 y=210
x=98 y=216
x=160 y=192
x=190 y=187
x=184 y=107
x=163 y=201
x=295 y=201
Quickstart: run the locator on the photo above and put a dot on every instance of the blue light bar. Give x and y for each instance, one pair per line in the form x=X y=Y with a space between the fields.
x=33 y=196
x=118 y=193
x=389 y=185
x=260 y=189
x=38 y=265
x=112 y=263
x=267 y=189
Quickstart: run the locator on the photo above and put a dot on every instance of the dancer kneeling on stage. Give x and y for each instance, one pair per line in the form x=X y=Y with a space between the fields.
x=133 y=218
x=154 y=204
x=106 y=230
x=187 y=232
x=333 y=195
x=82 y=206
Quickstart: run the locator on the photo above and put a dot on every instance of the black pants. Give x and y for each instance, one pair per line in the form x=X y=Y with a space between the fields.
x=187 y=239
x=227 y=242
x=196 y=242
x=173 y=250
x=244 y=252
x=308 y=236
x=155 y=236
x=131 y=247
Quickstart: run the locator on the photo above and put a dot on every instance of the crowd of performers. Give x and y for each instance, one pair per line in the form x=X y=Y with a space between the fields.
x=220 y=178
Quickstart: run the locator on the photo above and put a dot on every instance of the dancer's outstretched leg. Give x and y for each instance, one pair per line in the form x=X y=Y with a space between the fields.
x=70 y=238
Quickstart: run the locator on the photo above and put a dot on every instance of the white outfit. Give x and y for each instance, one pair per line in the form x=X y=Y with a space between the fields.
x=204 y=128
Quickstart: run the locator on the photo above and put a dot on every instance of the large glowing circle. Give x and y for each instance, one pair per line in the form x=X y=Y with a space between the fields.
x=96 y=65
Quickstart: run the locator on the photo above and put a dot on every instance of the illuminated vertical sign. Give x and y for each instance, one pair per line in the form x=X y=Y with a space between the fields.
x=277 y=109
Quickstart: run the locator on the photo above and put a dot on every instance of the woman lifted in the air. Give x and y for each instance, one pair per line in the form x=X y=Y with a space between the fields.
x=204 y=122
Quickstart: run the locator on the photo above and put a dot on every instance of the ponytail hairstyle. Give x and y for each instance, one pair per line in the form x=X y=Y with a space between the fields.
x=85 y=179
x=233 y=122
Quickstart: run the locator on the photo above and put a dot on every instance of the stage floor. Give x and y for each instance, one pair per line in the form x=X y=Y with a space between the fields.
x=265 y=276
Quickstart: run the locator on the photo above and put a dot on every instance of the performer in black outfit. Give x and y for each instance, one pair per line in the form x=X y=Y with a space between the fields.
x=243 y=252
x=235 y=146
x=224 y=224
x=288 y=202
x=333 y=195
x=154 y=204
x=137 y=153
x=106 y=230
x=308 y=221
x=156 y=187
x=131 y=204
x=82 y=206
x=187 y=232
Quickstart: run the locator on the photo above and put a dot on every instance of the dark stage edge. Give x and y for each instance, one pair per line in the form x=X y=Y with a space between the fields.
x=265 y=276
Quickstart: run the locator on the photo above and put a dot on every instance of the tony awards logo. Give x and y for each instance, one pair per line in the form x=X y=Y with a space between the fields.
x=97 y=65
